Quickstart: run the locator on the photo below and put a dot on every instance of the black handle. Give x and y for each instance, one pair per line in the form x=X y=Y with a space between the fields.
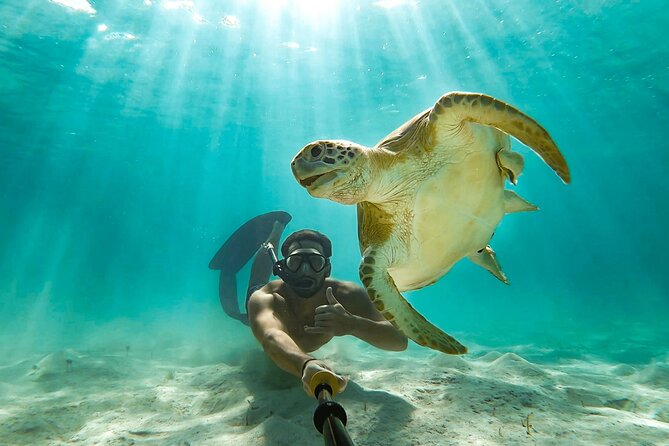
x=330 y=418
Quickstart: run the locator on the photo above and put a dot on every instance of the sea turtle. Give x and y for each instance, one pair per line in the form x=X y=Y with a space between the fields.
x=428 y=194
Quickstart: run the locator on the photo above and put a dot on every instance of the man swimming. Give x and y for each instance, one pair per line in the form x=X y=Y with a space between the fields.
x=305 y=308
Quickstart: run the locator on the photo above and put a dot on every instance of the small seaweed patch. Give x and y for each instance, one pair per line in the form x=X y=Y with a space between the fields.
x=527 y=424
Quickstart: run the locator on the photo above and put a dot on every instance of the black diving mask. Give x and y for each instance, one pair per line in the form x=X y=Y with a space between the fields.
x=316 y=261
x=288 y=269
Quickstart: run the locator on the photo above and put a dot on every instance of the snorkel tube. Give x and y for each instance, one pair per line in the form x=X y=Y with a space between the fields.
x=277 y=268
x=329 y=417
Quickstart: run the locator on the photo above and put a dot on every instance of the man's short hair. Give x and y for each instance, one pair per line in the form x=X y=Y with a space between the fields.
x=307 y=234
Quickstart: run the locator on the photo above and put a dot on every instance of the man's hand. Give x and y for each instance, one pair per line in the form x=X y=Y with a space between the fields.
x=332 y=319
x=316 y=366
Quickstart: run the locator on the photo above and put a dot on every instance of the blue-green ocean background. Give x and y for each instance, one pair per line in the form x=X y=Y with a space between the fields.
x=130 y=151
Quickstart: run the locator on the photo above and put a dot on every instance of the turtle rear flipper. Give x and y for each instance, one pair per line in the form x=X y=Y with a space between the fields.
x=511 y=163
x=487 y=259
x=515 y=203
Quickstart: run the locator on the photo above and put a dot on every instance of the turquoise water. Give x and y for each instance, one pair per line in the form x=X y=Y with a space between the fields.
x=136 y=136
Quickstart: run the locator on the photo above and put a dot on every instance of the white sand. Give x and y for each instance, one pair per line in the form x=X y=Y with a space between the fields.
x=412 y=398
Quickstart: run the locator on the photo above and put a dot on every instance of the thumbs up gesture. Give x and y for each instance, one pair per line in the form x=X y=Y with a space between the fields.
x=332 y=319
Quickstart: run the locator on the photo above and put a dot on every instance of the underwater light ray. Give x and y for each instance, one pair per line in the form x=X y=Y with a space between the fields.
x=45 y=257
x=125 y=63
x=264 y=78
x=158 y=82
x=542 y=61
x=169 y=102
x=63 y=200
x=478 y=55
x=237 y=114
x=34 y=227
x=363 y=83
x=19 y=15
x=62 y=127
x=173 y=103
x=328 y=71
x=308 y=81
x=295 y=44
x=443 y=76
x=404 y=37
x=228 y=81
x=313 y=14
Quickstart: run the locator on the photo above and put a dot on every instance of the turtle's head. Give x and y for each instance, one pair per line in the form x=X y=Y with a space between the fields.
x=337 y=170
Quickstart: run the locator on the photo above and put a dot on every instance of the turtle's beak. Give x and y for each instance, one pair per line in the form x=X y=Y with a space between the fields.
x=308 y=181
x=310 y=176
x=301 y=170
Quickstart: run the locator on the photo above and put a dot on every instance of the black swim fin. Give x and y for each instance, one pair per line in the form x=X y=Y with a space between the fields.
x=236 y=252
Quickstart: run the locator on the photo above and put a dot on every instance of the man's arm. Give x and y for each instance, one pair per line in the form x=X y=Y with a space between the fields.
x=357 y=317
x=271 y=334
x=280 y=347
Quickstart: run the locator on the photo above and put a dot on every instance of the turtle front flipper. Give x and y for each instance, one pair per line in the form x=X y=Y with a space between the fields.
x=389 y=301
x=454 y=108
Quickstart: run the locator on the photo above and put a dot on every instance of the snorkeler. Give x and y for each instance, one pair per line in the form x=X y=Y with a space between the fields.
x=305 y=308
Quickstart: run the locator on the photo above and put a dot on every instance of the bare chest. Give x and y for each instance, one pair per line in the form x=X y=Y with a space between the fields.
x=294 y=325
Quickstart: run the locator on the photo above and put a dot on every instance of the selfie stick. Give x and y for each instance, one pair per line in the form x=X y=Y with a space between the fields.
x=329 y=416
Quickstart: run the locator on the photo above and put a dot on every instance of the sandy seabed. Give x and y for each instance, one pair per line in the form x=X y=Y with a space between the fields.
x=417 y=397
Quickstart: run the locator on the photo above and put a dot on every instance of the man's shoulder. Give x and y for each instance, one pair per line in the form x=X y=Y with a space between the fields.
x=265 y=295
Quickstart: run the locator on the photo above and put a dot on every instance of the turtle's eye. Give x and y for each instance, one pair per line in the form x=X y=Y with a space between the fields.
x=316 y=151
